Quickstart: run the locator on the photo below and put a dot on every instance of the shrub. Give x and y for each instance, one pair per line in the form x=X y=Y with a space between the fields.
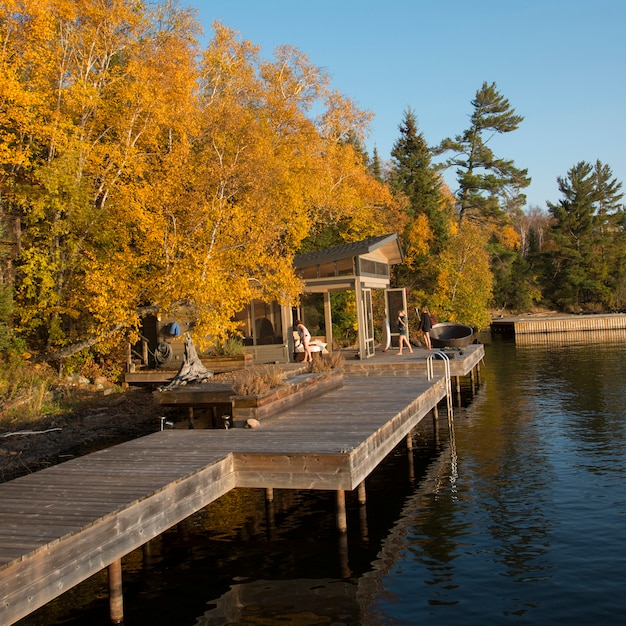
x=231 y=346
x=92 y=364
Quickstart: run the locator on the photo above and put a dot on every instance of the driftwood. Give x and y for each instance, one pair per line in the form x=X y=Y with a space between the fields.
x=191 y=371
x=29 y=432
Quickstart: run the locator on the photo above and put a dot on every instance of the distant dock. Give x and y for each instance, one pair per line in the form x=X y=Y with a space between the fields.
x=529 y=324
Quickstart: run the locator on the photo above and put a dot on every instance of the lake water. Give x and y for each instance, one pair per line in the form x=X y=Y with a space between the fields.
x=514 y=513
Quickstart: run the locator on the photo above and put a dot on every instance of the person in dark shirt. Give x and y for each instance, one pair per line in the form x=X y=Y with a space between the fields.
x=426 y=324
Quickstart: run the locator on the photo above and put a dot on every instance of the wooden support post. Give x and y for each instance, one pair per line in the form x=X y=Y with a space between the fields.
x=270 y=516
x=363 y=510
x=363 y=523
x=116 y=599
x=151 y=554
x=190 y=414
x=362 y=494
x=473 y=382
x=344 y=561
x=409 y=441
x=342 y=519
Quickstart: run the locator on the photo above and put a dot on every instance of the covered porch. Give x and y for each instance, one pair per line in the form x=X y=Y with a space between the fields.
x=267 y=328
x=359 y=267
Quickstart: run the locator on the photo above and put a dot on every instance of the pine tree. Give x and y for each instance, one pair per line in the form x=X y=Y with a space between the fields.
x=375 y=166
x=429 y=212
x=489 y=187
x=587 y=236
x=414 y=175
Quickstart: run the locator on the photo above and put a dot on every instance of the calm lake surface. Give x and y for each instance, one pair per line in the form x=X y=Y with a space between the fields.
x=513 y=514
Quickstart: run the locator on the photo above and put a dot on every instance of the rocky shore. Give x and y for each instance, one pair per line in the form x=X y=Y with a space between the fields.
x=102 y=420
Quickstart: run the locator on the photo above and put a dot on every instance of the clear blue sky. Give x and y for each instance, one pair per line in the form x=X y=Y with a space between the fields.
x=560 y=63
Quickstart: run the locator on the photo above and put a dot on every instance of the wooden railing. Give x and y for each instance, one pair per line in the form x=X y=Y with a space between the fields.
x=141 y=356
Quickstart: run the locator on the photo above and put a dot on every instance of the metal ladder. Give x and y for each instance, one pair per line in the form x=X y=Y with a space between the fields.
x=430 y=374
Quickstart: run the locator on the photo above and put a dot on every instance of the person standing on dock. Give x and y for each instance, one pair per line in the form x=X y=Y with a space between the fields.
x=305 y=340
x=426 y=324
x=403 y=329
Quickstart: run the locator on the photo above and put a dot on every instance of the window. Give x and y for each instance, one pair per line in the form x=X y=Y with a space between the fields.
x=261 y=323
x=373 y=268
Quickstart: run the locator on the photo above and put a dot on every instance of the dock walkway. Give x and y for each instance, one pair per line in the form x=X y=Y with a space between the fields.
x=65 y=523
x=529 y=324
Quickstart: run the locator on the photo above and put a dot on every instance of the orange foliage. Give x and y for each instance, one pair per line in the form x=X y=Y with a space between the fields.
x=145 y=173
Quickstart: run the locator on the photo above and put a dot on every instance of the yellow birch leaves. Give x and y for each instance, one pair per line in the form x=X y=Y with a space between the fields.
x=141 y=170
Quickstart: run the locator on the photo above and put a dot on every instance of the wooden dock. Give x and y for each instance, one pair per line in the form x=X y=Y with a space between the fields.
x=524 y=325
x=65 y=523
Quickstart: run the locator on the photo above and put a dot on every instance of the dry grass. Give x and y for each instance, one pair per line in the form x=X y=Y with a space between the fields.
x=326 y=362
x=257 y=381
x=27 y=392
x=31 y=392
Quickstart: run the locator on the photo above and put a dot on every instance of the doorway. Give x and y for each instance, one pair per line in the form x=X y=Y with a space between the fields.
x=395 y=300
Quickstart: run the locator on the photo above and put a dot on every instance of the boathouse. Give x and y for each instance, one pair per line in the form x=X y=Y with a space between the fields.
x=267 y=327
x=359 y=267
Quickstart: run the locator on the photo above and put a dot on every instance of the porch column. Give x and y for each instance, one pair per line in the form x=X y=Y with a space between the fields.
x=328 y=322
x=358 y=294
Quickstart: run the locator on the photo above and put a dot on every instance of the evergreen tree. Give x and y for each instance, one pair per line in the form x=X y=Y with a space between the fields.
x=586 y=236
x=489 y=187
x=413 y=177
x=375 y=166
x=610 y=257
x=513 y=287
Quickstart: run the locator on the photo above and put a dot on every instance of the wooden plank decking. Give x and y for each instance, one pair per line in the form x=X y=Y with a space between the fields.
x=65 y=523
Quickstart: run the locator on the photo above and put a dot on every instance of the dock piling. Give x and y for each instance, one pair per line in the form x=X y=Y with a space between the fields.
x=342 y=520
x=116 y=598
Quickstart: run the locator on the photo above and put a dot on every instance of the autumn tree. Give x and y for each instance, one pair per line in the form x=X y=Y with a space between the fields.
x=88 y=78
x=6 y=295
x=146 y=175
x=464 y=281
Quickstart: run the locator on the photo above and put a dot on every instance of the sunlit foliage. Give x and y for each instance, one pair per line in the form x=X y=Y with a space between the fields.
x=147 y=174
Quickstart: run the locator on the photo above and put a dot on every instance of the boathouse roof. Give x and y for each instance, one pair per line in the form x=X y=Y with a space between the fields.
x=387 y=245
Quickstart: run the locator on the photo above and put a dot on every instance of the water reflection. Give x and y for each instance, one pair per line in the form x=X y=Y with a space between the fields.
x=538 y=501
